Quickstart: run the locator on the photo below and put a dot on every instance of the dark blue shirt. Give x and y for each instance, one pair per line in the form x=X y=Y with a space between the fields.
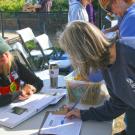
x=120 y=81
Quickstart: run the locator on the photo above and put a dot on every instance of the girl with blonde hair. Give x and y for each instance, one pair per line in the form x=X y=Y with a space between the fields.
x=81 y=36
x=90 y=49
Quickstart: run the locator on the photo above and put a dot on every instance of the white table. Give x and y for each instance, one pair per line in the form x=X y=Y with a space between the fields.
x=32 y=125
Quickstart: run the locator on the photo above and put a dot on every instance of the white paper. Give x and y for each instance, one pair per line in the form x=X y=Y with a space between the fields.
x=53 y=125
x=58 y=97
x=110 y=35
x=57 y=93
x=34 y=104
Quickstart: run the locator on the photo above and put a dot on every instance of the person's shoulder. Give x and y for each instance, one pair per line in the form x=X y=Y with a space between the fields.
x=131 y=14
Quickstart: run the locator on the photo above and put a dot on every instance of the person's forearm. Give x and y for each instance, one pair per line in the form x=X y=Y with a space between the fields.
x=38 y=85
x=28 y=77
x=106 y=112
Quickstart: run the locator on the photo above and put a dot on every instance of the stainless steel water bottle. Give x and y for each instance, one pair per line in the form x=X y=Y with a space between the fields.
x=54 y=72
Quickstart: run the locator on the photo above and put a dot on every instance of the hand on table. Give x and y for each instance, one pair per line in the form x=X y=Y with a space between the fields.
x=27 y=91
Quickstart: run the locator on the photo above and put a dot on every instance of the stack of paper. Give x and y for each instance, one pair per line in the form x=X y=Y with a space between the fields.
x=15 y=113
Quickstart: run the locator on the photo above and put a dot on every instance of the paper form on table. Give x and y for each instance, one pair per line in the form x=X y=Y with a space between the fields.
x=52 y=125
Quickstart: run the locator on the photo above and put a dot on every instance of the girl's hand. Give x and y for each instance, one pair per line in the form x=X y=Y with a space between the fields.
x=73 y=113
x=27 y=91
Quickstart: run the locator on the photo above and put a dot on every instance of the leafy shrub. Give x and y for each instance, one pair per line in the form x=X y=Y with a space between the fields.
x=11 y=5
x=96 y=4
x=59 y=5
x=17 y=5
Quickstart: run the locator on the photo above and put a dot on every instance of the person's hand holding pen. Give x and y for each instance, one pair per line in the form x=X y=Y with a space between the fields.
x=72 y=112
x=27 y=91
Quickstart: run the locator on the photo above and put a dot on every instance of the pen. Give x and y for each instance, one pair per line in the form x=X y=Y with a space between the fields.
x=75 y=104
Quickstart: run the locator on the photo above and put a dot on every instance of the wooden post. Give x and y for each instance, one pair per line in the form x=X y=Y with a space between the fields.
x=2 y=26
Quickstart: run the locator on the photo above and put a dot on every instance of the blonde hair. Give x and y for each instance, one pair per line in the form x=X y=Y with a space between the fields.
x=86 y=45
x=6 y=68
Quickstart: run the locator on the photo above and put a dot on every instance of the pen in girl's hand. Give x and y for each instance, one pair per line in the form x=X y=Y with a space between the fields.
x=75 y=104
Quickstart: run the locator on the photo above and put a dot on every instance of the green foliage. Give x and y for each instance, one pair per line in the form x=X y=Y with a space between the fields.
x=17 y=5
x=11 y=5
x=31 y=45
x=59 y=5
x=96 y=4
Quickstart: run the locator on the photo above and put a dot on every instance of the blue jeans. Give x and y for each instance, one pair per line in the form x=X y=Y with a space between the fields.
x=130 y=121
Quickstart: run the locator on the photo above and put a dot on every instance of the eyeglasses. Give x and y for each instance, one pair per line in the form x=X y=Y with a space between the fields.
x=109 y=7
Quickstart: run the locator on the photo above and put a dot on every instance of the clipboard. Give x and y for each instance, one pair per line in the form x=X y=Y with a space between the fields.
x=61 y=111
x=44 y=119
x=66 y=127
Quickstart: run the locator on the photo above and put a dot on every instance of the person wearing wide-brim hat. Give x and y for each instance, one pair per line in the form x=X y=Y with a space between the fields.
x=12 y=73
